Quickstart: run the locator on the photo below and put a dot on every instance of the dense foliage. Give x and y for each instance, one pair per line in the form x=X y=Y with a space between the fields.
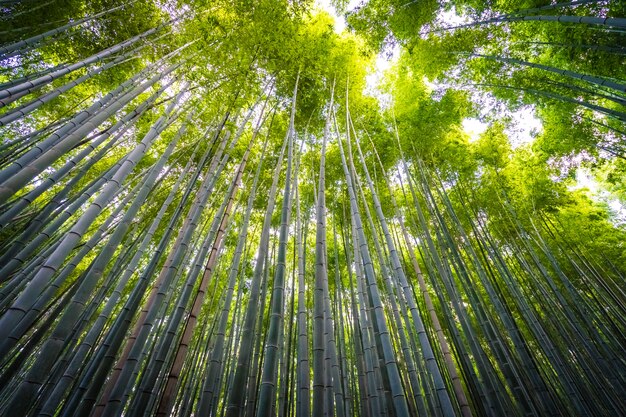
x=204 y=210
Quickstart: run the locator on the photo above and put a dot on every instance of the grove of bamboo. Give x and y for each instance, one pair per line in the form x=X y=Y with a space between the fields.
x=207 y=209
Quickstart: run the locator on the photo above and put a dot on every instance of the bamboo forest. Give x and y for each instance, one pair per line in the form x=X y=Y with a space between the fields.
x=318 y=208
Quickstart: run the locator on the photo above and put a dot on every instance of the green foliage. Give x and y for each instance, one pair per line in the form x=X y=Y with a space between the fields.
x=429 y=124
x=522 y=267
x=493 y=148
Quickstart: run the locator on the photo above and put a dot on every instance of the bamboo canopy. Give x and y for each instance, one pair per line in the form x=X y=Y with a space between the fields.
x=205 y=211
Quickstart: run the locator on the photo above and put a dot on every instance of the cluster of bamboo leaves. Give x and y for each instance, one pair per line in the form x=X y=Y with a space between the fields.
x=203 y=214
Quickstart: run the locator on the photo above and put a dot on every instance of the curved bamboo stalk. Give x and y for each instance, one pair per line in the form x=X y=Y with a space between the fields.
x=267 y=390
x=115 y=393
x=119 y=128
x=303 y=407
x=34 y=40
x=448 y=360
x=209 y=390
x=45 y=360
x=35 y=161
x=399 y=399
x=8 y=95
x=94 y=332
x=319 y=364
x=236 y=396
x=165 y=403
x=599 y=81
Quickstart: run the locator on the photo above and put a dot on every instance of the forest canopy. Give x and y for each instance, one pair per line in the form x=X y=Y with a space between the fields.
x=237 y=208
